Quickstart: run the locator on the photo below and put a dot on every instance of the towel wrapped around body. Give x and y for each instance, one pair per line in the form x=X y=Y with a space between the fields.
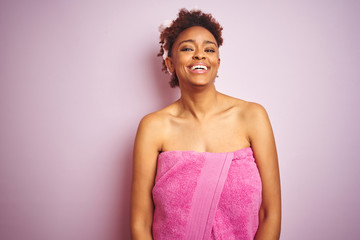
x=203 y=195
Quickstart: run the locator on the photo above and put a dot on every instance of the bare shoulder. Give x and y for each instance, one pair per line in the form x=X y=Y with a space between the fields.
x=245 y=109
x=151 y=121
x=156 y=120
x=258 y=125
x=153 y=126
x=255 y=117
x=255 y=111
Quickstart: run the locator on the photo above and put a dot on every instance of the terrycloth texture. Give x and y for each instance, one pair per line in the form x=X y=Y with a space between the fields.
x=207 y=195
x=178 y=173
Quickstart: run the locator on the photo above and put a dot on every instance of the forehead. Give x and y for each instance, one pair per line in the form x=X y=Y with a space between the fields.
x=196 y=33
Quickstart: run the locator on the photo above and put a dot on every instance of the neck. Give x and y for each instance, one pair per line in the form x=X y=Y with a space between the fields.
x=199 y=102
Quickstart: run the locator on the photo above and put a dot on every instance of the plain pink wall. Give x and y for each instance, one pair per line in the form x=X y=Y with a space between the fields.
x=77 y=76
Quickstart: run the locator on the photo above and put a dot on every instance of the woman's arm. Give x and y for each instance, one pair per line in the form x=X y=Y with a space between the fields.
x=263 y=145
x=144 y=168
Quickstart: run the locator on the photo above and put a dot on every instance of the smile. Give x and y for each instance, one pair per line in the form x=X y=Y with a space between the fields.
x=202 y=67
x=199 y=68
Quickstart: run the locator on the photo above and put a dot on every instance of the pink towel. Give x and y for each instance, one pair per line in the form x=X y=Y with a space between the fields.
x=202 y=195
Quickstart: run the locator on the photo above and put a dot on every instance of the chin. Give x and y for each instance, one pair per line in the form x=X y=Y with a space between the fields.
x=198 y=81
x=201 y=83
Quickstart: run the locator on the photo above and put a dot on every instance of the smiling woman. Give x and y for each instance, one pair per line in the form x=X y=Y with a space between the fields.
x=184 y=21
x=195 y=56
x=205 y=167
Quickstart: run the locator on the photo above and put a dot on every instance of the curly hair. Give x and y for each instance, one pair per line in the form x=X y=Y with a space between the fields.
x=187 y=19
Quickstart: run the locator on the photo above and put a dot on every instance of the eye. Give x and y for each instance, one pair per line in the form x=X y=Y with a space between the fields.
x=210 y=50
x=186 y=49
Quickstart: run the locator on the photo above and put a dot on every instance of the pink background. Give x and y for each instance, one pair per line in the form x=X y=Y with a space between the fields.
x=77 y=76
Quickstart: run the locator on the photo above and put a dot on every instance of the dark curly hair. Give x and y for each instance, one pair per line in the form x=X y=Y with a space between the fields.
x=187 y=19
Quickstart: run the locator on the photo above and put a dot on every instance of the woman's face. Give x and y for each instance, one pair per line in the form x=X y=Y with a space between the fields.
x=195 y=57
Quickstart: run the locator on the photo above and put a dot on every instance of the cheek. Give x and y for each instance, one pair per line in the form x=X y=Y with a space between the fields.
x=180 y=63
x=216 y=62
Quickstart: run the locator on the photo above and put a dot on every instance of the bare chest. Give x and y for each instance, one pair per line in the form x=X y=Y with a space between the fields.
x=216 y=135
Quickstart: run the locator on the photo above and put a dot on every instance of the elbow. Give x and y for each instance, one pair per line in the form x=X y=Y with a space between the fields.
x=140 y=231
x=268 y=214
x=270 y=219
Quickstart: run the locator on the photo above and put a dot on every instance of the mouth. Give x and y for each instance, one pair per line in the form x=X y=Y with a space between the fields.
x=198 y=68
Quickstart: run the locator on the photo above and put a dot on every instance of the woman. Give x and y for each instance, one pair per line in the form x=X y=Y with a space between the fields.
x=205 y=167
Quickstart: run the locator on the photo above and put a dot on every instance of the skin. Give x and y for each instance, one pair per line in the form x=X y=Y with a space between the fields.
x=203 y=120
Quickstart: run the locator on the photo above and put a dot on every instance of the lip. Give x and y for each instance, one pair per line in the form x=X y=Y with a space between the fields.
x=199 y=71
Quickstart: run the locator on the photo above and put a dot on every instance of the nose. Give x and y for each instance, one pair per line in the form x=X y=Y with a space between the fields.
x=198 y=55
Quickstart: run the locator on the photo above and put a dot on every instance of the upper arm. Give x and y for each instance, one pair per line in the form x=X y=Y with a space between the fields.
x=146 y=147
x=263 y=144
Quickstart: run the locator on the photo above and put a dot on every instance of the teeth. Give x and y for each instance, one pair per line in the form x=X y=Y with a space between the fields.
x=198 y=67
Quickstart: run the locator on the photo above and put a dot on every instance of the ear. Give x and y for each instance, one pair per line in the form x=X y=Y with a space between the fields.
x=219 y=62
x=169 y=64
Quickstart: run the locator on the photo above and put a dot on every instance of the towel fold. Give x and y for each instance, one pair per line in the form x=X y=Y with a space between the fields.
x=202 y=195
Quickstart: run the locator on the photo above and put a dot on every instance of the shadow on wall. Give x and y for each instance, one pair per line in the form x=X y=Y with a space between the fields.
x=123 y=217
x=164 y=95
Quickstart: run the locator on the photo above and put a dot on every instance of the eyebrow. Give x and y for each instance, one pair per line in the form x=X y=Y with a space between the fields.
x=193 y=41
